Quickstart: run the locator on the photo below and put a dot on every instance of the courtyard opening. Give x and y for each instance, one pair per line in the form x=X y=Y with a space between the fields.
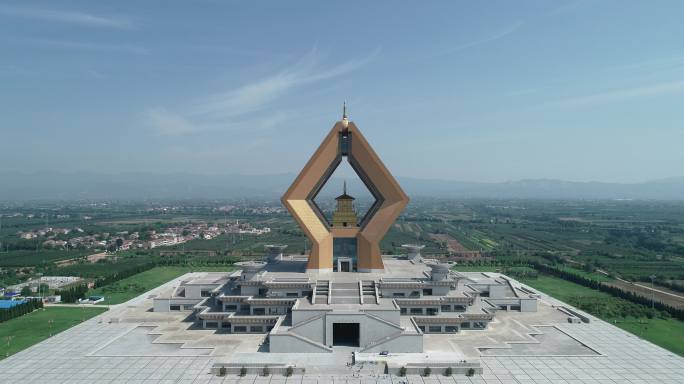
x=346 y=334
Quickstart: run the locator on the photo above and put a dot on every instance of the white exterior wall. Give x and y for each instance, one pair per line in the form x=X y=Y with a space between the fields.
x=284 y=343
x=392 y=315
x=497 y=291
x=528 y=305
x=299 y=316
x=161 y=305
x=403 y=343
x=249 y=290
x=314 y=330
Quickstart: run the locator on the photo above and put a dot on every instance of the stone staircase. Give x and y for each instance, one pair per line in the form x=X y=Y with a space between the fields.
x=321 y=292
x=345 y=293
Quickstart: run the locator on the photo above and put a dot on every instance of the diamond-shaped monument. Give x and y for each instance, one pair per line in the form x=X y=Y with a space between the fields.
x=345 y=248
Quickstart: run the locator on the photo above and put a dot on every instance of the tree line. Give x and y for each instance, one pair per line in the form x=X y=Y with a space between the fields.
x=72 y=293
x=20 y=309
x=615 y=291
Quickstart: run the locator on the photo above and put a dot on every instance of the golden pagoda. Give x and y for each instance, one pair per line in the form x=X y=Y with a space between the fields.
x=344 y=215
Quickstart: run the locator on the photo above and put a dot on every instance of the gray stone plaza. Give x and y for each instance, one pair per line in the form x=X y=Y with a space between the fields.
x=134 y=343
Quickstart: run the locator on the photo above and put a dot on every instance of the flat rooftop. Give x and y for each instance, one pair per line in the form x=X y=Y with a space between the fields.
x=131 y=344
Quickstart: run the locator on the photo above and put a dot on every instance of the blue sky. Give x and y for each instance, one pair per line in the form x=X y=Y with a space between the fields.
x=465 y=90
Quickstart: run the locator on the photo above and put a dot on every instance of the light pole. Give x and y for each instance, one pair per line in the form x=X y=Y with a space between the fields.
x=652 y=292
x=9 y=339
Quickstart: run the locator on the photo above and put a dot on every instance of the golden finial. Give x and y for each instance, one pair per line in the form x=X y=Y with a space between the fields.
x=345 y=120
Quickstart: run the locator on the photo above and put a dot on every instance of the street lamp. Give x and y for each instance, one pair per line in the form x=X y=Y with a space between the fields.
x=9 y=339
x=652 y=292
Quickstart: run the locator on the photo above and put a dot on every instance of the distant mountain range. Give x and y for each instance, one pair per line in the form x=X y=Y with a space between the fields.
x=141 y=186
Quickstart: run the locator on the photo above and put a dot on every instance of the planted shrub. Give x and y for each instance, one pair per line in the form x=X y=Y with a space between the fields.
x=243 y=371
x=402 y=371
x=427 y=371
x=448 y=372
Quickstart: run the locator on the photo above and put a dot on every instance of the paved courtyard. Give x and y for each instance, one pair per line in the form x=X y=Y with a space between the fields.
x=129 y=344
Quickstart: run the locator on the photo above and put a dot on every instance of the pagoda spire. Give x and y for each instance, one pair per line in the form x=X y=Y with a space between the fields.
x=345 y=119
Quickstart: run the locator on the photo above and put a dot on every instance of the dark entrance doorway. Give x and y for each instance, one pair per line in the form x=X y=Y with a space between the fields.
x=344 y=266
x=346 y=334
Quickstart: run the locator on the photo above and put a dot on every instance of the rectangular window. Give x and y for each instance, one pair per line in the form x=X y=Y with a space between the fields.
x=211 y=324
x=450 y=329
x=239 y=328
x=174 y=308
x=188 y=307
x=446 y=308
x=292 y=294
x=432 y=311
x=259 y=311
x=225 y=325
x=205 y=293
x=402 y=311
x=459 y=308
x=416 y=311
x=415 y=294
x=465 y=325
x=427 y=292
x=257 y=329
x=231 y=308
x=398 y=294
x=515 y=307
x=422 y=328
x=435 y=329
x=479 y=325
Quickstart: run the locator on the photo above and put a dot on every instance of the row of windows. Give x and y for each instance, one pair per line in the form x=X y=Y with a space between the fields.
x=512 y=307
x=186 y=307
x=431 y=310
x=419 y=311
x=238 y=328
x=426 y=292
x=453 y=328
x=438 y=329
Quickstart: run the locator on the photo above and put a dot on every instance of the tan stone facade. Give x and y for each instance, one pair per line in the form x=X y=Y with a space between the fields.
x=345 y=139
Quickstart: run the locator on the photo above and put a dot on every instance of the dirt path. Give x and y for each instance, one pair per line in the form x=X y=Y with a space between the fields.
x=668 y=298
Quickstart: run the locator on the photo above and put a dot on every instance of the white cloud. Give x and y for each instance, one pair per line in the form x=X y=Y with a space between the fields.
x=259 y=94
x=70 y=17
x=169 y=123
x=253 y=105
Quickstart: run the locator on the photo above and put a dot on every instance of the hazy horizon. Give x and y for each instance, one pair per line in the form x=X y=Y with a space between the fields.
x=479 y=92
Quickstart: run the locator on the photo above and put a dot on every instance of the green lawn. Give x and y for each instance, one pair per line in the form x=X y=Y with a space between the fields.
x=130 y=287
x=35 y=327
x=562 y=289
x=667 y=333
